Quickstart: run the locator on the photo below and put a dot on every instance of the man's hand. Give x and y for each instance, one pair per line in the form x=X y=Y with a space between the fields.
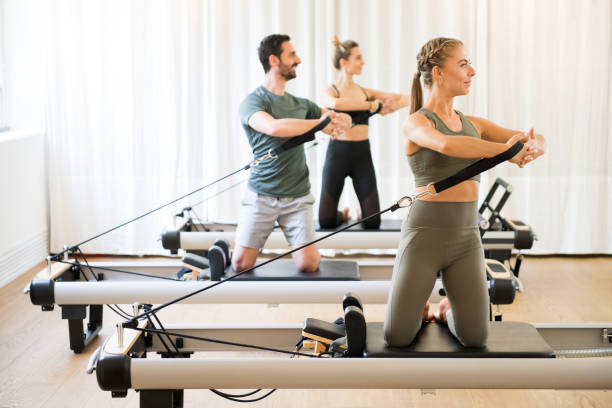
x=340 y=123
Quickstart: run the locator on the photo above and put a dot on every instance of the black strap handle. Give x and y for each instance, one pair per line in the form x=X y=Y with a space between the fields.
x=360 y=115
x=303 y=138
x=477 y=168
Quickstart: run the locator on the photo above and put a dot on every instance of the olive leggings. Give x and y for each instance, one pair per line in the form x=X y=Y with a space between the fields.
x=439 y=236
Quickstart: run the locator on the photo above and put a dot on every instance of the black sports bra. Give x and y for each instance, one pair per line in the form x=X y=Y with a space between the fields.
x=359 y=117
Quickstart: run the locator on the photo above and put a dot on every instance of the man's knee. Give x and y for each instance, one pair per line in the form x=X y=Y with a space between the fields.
x=242 y=260
x=309 y=261
x=307 y=265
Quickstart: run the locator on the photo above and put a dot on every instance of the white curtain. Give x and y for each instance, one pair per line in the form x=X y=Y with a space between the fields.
x=142 y=104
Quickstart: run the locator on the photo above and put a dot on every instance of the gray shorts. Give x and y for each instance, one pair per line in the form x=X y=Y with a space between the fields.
x=259 y=212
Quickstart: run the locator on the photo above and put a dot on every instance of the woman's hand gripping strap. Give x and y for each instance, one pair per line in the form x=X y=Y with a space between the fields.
x=477 y=168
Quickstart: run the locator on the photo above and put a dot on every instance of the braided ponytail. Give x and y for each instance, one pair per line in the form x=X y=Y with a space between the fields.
x=416 y=96
x=432 y=54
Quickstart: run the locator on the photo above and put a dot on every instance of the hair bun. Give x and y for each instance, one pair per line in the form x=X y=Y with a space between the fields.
x=336 y=41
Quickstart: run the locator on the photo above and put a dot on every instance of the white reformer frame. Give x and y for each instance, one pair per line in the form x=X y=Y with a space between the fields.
x=158 y=291
x=199 y=240
x=351 y=373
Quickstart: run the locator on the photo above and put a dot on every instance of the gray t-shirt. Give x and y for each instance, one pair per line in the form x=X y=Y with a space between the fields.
x=287 y=175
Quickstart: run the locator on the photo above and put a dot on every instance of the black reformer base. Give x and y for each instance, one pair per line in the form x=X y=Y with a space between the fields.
x=353 y=337
x=219 y=267
x=285 y=270
x=506 y=340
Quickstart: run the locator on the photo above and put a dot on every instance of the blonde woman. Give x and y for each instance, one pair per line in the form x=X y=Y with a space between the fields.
x=440 y=232
x=349 y=154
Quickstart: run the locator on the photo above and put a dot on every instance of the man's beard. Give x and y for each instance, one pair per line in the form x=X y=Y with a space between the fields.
x=286 y=71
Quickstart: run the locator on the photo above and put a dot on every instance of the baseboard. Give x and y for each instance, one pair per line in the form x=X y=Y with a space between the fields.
x=24 y=256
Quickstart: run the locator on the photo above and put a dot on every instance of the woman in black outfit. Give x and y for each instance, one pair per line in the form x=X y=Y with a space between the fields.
x=349 y=154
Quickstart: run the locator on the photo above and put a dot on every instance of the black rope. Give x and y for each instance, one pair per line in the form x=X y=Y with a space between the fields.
x=117 y=270
x=193 y=216
x=221 y=394
x=161 y=326
x=248 y=394
x=159 y=335
x=115 y=308
x=220 y=192
x=228 y=343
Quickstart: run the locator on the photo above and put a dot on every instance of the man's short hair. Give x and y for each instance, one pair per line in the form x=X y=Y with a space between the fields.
x=271 y=45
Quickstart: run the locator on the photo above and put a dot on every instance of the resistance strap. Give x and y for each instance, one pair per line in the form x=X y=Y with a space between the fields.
x=298 y=140
x=360 y=115
x=480 y=166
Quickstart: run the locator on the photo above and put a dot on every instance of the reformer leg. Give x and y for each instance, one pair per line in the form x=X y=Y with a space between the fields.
x=75 y=314
x=95 y=322
x=161 y=398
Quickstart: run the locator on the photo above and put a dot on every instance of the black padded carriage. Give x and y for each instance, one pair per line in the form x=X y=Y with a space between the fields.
x=285 y=270
x=506 y=340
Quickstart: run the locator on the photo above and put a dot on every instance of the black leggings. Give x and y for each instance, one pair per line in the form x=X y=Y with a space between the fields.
x=353 y=159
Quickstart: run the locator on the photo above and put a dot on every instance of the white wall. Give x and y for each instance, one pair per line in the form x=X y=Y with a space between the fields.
x=23 y=206
x=23 y=186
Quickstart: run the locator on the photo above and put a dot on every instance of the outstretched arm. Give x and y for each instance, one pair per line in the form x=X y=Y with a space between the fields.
x=421 y=132
x=390 y=101
x=265 y=123
x=536 y=144
x=331 y=101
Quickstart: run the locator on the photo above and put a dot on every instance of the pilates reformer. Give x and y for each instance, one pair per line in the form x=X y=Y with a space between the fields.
x=517 y=356
x=81 y=289
x=120 y=365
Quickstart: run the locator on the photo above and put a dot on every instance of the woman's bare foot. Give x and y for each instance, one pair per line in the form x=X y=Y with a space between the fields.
x=427 y=315
x=345 y=214
x=440 y=315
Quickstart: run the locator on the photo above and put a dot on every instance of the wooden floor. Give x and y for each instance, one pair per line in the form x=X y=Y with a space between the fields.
x=38 y=370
